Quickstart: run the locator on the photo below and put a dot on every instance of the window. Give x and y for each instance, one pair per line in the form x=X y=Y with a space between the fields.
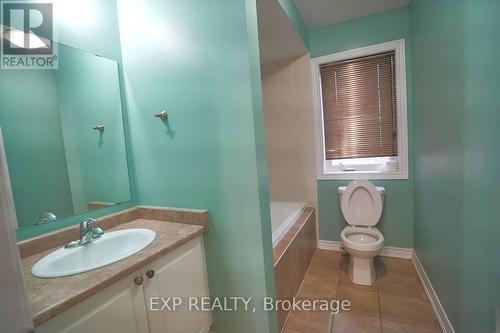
x=361 y=113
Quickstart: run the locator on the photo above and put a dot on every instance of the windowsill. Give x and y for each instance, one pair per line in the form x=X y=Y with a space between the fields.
x=369 y=175
x=389 y=167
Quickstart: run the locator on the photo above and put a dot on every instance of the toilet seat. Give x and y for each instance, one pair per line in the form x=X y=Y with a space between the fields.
x=362 y=238
x=361 y=204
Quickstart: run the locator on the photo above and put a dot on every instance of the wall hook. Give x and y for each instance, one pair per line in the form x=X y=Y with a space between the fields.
x=162 y=115
x=46 y=218
x=99 y=128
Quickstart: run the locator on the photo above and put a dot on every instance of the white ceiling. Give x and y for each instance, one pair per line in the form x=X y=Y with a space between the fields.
x=320 y=13
x=277 y=37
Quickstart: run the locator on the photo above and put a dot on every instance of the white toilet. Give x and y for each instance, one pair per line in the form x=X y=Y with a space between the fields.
x=361 y=203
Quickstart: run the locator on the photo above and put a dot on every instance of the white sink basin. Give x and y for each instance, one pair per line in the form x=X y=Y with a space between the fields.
x=110 y=248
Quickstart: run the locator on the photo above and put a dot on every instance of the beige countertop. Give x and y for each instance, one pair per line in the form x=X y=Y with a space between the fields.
x=50 y=297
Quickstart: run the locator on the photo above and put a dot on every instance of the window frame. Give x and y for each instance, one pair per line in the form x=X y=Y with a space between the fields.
x=398 y=46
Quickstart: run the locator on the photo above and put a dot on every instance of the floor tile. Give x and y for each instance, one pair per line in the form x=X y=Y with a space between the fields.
x=396 y=303
x=308 y=322
x=401 y=285
x=324 y=270
x=394 y=327
x=386 y=265
x=319 y=287
x=347 y=322
x=328 y=256
x=362 y=301
x=407 y=310
x=325 y=263
x=286 y=330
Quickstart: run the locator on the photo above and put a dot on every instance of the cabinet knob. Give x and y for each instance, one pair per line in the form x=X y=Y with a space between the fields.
x=138 y=280
x=150 y=274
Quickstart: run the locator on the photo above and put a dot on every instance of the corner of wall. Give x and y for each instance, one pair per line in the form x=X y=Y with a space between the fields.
x=294 y=17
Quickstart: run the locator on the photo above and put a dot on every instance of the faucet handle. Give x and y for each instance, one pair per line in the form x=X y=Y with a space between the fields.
x=88 y=233
x=97 y=233
x=86 y=226
x=87 y=223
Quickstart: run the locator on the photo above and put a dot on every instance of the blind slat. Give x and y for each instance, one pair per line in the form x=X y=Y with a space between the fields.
x=359 y=107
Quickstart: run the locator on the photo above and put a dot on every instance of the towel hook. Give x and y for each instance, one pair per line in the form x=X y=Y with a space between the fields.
x=99 y=128
x=161 y=115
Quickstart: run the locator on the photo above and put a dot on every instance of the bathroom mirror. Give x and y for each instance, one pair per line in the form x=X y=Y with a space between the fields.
x=62 y=143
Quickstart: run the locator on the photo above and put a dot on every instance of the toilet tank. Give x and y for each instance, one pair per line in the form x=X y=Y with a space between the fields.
x=341 y=190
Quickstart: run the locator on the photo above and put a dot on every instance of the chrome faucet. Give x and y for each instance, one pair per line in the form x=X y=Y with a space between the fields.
x=88 y=234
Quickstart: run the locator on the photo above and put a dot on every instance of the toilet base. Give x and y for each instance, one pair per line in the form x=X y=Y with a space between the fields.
x=361 y=271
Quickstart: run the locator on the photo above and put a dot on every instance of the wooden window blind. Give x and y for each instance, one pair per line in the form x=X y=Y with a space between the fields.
x=359 y=107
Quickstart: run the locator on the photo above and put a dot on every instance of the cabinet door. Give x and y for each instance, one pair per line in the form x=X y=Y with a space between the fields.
x=181 y=273
x=118 y=308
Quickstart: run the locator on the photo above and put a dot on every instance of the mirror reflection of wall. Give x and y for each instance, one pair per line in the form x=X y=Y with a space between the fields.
x=59 y=165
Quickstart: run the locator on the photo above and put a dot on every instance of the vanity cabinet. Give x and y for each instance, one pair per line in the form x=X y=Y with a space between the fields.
x=180 y=274
x=125 y=306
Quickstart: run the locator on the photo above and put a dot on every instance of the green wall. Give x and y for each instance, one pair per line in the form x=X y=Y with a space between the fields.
x=456 y=102
x=397 y=221
x=294 y=16
x=201 y=66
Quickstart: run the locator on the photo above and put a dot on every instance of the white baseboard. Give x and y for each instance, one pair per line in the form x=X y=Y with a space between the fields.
x=329 y=245
x=387 y=251
x=433 y=298
x=397 y=252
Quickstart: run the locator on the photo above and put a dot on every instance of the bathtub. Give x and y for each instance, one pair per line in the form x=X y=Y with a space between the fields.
x=283 y=215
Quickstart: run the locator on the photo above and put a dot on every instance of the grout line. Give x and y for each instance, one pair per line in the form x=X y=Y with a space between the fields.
x=307 y=272
x=337 y=292
x=379 y=304
x=380 y=311
x=397 y=320
x=300 y=287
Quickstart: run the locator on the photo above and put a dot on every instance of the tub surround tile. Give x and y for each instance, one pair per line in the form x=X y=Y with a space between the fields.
x=60 y=237
x=288 y=238
x=293 y=255
x=50 y=297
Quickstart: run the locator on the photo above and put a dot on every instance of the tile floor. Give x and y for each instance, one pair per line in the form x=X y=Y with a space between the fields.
x=396 y=303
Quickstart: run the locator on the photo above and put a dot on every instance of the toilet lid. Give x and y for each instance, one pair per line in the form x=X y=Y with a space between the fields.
x=361 y=203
